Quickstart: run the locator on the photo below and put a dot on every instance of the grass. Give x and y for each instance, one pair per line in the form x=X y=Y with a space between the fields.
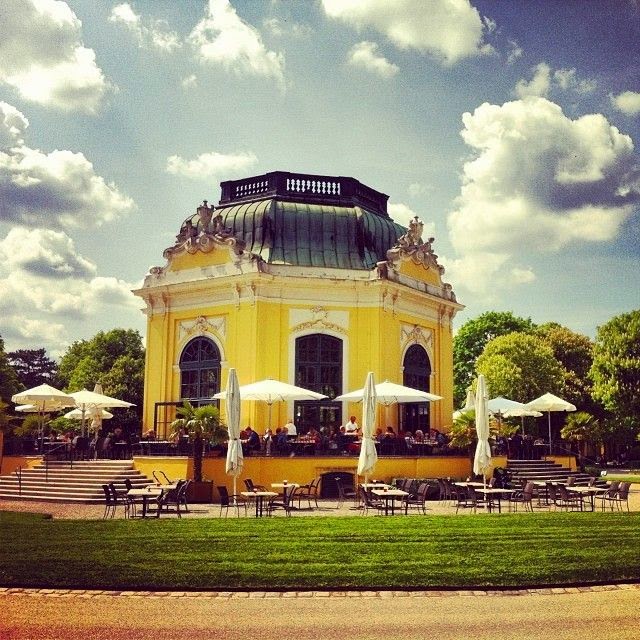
x=513 y=550
x=622 y=477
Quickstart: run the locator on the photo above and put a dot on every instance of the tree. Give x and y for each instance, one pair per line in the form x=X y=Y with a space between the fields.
x=615 y=371
x=9 y=383
x=115 y=359
x=471 y=340
x=521 y=367
x=574 y=351
x=201 y=424
x=33 y=367
x=585 y=429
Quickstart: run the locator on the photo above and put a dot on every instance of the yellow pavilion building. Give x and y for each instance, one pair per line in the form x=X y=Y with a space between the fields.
x=305 y=279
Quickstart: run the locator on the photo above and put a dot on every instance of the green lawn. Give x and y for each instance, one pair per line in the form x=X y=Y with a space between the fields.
x=317 y=553
x=623 y=478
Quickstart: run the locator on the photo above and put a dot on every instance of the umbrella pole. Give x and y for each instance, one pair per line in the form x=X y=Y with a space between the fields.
x=522 y=422
x=235 y=488
x=549 y=417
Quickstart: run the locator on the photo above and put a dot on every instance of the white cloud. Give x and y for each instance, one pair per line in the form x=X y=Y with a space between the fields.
x=53 y=190
x=448 y=29
x=152 y=34
x=42 y=56
x=402 y=214
x=223 y=38
x=516 y=52
x=538 y=181
x=544 y=80
x=280 y=28
x=211 y=165
x=190 y=82
x=628 y=102
x=418 y=189
x=539 y=85
x=365 y=56
x=51 y=295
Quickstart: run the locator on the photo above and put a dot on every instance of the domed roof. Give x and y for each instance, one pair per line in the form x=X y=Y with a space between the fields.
x=305 y=220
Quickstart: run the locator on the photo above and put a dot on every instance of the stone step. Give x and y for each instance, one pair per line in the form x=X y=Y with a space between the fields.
x=42 y=484
x=78 y=473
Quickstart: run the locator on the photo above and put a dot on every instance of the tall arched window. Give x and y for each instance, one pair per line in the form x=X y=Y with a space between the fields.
x=199 y=370
x=416 y=374
x=318 y=368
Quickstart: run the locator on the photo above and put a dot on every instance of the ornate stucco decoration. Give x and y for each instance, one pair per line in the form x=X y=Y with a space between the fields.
x=318 y=318
x=414 y=334
x=209 y=234
x=202 y=325
x=411 y=247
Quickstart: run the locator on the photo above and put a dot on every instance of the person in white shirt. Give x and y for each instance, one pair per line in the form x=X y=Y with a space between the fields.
x=351 y=426
x=292 y=432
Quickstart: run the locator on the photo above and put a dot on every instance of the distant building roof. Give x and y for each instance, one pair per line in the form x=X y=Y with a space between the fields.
x=307 y=220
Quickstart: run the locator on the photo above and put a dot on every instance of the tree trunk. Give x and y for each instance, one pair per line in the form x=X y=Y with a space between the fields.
x=197 y=458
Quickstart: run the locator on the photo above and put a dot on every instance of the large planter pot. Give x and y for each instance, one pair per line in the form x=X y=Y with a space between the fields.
x=200 y=491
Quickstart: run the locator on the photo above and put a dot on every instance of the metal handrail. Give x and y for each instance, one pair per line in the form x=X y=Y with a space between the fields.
x=45 y=457
x=19 y=474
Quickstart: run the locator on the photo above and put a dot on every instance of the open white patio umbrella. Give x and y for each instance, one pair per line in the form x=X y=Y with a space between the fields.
x=44 y=398
x=368 y=453
x=90 y=401
x=498 y=406
x=521 y=412
x=388 y=393
x=548 y=402
x=76 y=414
x=482 y=458
x=271 y=391
x=235 y=459
x=469 y=404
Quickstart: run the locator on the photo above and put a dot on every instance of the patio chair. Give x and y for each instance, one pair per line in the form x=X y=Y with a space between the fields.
x=571 y=480
x=418 y=500
x=234 y=501
x=109 y=502
x=552 y=495
x=161 y=477
x=460 y=496
x=621 y=497
x=569 y=500
x=524 y=497
x=119 y=497
x=183 y=498
x=345 y=494
x=369 y=502
x=610 y=495
x=286 y=504
x=309 y=492
x=170 y=501
x=248 y=483
x=133 y=502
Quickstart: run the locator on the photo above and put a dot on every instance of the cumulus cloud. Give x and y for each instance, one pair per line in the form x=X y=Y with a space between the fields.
x=223 y=38
x=365 y=56
x=280 y=28
x=211 y=165
x=150 y=34
x=56 y=190
x=42 y=56
x=190 y=82
x=544 y=79
x=402 y=214
x=628 y=102
x=538 y=181
x=48 y=291
x=451 y=30
x=515 y=52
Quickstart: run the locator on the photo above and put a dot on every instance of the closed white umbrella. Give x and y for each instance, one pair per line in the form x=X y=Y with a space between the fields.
x=44 y=398
x=482 y=459
x=469 y=404
x=548 y=402
x=271 y=391
x=235 y=459
x=368 y=453
x=389 y=393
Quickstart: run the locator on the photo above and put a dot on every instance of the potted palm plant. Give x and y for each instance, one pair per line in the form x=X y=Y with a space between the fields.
x=201 y=424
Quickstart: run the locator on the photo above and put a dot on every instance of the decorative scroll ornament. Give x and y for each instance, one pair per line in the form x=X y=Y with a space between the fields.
x=321 y=318
x=410 y=247
x=207 y=234
x=201 y=326
x=413 y=334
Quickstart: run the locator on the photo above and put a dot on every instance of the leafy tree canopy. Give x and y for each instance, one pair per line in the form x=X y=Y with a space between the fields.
x=9 y=382
x=615 y=371
x=471 y=339
x=33 y=367
x=520 y=366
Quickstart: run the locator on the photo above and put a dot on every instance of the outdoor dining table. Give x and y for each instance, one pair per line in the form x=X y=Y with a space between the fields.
x=145 y=493
x=587 y=491
x=259 y=497
x=469 y=484
x=389 y=496
x=494 y=492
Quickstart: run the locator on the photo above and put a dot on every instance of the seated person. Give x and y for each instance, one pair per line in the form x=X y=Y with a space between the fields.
x=292 y=431
x=252 y=443
x=351 y=426
x=280 y=443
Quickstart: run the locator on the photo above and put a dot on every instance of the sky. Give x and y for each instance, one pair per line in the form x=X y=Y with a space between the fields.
x=509 y=128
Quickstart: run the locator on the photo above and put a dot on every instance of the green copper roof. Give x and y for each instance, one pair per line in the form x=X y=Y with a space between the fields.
x=311 y=235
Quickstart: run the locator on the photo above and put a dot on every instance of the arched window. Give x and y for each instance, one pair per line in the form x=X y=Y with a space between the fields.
x=318 y=368
x=199 y=370
x=416 y=374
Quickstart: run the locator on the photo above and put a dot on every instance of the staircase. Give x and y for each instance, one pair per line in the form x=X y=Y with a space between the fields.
x=542 y=470
x=64 y=482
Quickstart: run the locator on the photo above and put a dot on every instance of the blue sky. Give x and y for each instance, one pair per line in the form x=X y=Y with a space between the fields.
x=509 y=128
